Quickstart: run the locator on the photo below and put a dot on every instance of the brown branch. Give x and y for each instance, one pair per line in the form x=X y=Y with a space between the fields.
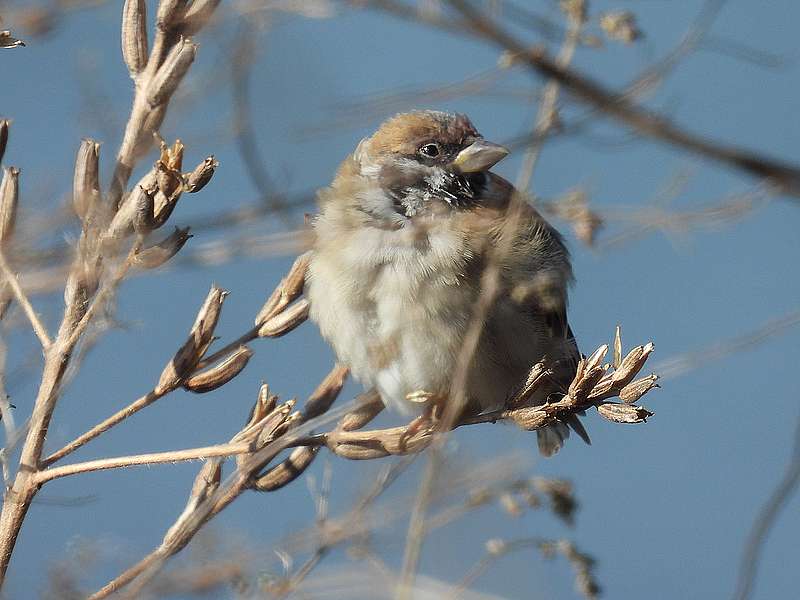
x=155 y=84
x=137 y=460
x=102 y=427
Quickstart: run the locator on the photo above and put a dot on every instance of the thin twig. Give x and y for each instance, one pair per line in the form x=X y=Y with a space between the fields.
x=19 y=294
x=102 y=427
x=135 y=460
x=618 y=106
x=149 y=566
x=547 y=116
x=748 y=566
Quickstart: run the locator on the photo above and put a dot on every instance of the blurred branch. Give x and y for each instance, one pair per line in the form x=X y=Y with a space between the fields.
x=784 y=175
x=547 y=116
x=751 y=555
x=583 y=565
x=242 y=64
x=684 y=363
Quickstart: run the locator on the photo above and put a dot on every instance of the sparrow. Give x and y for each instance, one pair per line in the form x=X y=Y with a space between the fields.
x=403 y=236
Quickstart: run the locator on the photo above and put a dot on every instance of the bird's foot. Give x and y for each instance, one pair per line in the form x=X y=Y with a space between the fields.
x=430 y=417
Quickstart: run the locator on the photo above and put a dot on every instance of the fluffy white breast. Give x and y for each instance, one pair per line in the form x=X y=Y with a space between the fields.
x=392 y=304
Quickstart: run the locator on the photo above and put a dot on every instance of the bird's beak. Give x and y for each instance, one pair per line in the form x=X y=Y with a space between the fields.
x=480 y=155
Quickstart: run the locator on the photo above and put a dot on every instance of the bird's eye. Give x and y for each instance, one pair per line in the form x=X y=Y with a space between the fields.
x=430 y=150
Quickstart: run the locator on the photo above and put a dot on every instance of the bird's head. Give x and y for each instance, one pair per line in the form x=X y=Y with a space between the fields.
x=425 y=162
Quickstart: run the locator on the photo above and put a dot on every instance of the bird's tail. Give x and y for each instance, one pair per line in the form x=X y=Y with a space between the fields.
x=552 y=437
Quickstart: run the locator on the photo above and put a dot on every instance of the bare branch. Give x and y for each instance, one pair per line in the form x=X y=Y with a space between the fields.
x=22 y=299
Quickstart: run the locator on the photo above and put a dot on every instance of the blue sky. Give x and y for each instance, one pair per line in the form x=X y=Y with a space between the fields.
x=665 y=506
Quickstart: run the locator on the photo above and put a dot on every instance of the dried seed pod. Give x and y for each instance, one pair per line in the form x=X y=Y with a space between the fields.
x=326 y=393
x=81 y=285
x=142 y=202
x=198 y=15
x=170 y=13
x=580 y=390
x=183 y=364
x=157 y=254
x=171 y=73
x=286 y=321
x=221 y=373
x=128 y=211
x=579 y=371
x=358 y=452
x=623 y=413
x=169 y=181
x=3 y=137
x=631 y=365
x=369 y=407
x=289 y=289
x=596 y=358
x=172 y=156
x=617 y=347
x=197 y=179
x=134 y=35
x=275 y=424
x=86 y=179
x=620 y=26
x=604 y=388
x=163 y=207
x=636 y=389
x=287 y=471
x=265 y=404
x=531 y=418
x=9 y=198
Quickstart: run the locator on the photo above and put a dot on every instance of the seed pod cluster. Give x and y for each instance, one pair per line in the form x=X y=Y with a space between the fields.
x=201 y=335
x=593 y=384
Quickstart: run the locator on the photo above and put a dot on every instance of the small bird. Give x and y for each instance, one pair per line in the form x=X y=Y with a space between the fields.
x=403 y=237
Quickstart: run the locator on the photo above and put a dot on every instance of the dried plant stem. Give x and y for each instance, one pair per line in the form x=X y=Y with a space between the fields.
x=137 y=125
x=22 y=298
x=243 y=339
x=188 y=525
x=487 y=560
x=153 y=458
x=546 y=117
x=108 y=288
x=103 y=426
x=18 y=499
